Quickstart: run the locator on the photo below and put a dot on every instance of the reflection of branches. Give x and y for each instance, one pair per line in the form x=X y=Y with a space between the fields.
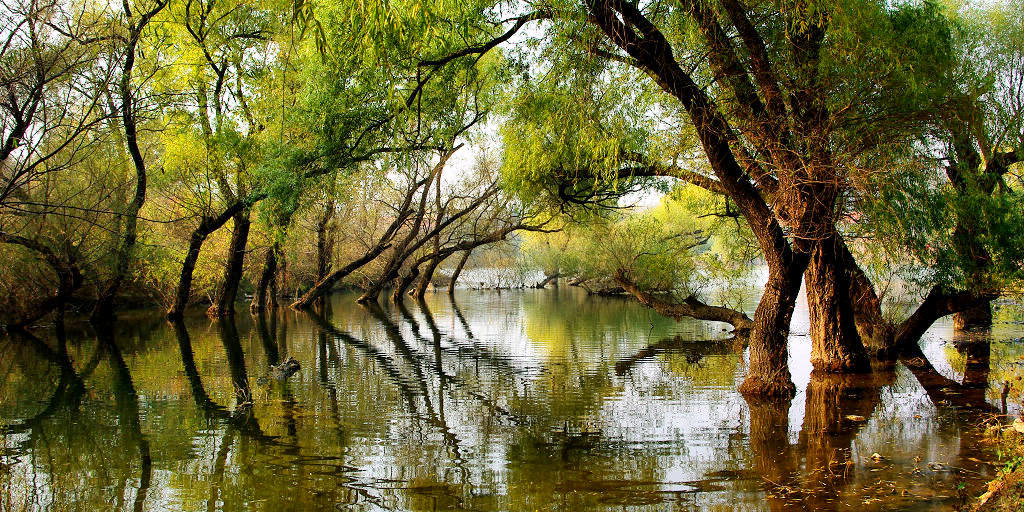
x=381 y=358
x=70 y=387
x=435 y=367
x=941 y=390
x=695 y=350
x=247 y=425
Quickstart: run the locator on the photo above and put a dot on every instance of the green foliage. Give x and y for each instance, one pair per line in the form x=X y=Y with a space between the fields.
x=688 y=244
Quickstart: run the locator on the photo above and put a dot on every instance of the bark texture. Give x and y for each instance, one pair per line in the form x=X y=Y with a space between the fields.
x=836 y=343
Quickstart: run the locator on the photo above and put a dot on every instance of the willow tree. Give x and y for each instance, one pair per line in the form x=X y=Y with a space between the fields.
x=948 y=213
x=782 y=103
x=54 y=124
x=128 y=108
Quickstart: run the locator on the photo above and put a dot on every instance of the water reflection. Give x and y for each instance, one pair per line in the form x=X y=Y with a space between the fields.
x=523 y=401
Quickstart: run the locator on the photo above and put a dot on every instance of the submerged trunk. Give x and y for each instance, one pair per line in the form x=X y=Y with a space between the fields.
x=936 y=305
x=195 y=245
x=233 y=273
x=458 y=271
x=428 y=275
x=691 y=307
x=403 y=283
x=267 y=277
x=836 y=343
x=372 y=291
x=549 y=278
x=768 y=371
x=324 y=285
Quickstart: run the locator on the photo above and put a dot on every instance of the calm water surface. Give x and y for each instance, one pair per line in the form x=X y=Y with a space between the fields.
x=525 y=400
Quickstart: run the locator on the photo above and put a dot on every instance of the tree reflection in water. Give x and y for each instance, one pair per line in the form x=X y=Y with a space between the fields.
x=515 y=402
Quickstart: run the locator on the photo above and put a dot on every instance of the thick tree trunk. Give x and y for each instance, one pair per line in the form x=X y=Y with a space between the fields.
x=976 y=318
x=877 y=334
x=267 y=277
x=836 y=344
x=458 y=271
x=324 y=286
x=225 y=305
x=768 y=371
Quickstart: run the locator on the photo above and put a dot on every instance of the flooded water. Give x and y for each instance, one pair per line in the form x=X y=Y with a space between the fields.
x=519 y=400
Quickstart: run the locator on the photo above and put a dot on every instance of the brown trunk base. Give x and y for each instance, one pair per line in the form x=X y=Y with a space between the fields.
x=761 y=387
x=841 y=363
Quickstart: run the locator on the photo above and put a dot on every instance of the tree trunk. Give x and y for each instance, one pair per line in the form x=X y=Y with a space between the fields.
x=372 y=292
x=324 y=242
x=877 y=334
x=458 y=271
x=195 y=245
x=936 y=305
x=281 y=276
x=768 y=371
x=549 y=278
x=225 y=305
x=836 y=344
x=267 y=277
x=691 y=307
x=976 y=318
x=403 y=283
x=103 y=311
x=324 y=285
x=428 y=275
x=184 y=291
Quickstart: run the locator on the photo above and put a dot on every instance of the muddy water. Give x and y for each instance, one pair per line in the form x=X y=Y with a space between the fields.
x=525 y=400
